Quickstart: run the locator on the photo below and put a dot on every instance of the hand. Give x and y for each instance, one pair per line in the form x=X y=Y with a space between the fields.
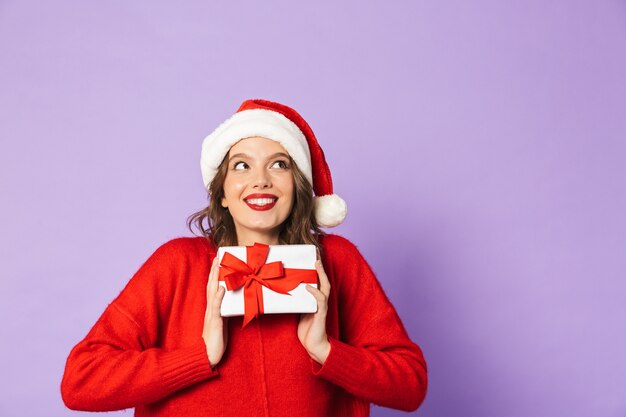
x=215 y=332
x=312 y=326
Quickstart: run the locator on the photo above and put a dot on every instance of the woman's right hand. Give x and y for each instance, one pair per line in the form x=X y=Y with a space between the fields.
x=215 y=332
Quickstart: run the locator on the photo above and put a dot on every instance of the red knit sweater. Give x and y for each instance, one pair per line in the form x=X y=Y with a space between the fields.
x=146 y=350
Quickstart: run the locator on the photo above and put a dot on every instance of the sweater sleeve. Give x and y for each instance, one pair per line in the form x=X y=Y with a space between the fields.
x=119 y=364
x=375 y=360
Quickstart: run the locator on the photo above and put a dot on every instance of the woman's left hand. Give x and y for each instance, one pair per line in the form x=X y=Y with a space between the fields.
x=312 y=326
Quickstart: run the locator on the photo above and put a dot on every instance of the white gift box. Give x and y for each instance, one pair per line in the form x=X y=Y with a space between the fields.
x=292 y=257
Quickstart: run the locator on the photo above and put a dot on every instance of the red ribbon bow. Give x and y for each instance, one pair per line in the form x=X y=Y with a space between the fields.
x=255 y=273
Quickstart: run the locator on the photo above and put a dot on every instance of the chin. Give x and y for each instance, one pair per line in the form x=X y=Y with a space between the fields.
x=270 y=231
x=266 y=226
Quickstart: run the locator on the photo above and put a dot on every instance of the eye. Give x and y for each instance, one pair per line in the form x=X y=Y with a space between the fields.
x=280 y=164
x=240 y=165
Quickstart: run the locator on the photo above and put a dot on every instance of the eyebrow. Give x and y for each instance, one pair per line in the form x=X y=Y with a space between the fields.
x=243 y=155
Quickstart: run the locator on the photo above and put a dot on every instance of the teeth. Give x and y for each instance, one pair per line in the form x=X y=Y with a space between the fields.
x=261 y=201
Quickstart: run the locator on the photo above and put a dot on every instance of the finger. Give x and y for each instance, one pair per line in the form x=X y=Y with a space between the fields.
x=217 y=302
x=319 y=296
x=306 y=318
x=212 y=269
x=225 y=329
x=215 y=267
x=324 y=282
x=213 y=276
x=210 y=288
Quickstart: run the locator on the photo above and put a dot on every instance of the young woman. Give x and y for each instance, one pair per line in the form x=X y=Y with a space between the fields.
x=162 y=347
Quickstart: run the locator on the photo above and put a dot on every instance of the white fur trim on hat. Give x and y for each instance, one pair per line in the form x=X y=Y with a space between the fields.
x=330 y=210
x=254 y=122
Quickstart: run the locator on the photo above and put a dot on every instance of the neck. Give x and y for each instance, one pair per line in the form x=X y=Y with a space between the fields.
x=250 y=237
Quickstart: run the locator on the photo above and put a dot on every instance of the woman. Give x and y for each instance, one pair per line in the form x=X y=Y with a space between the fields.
x=162 y=347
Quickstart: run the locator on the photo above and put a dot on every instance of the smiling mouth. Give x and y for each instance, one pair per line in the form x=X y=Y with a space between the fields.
x=261 y=204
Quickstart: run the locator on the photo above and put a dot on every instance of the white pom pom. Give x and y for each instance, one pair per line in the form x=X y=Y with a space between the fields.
x=330 y=210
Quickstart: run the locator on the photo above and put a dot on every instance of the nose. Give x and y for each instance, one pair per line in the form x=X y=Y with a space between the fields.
x=262 y=179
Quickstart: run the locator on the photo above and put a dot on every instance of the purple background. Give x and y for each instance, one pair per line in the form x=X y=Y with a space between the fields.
x=480 y=147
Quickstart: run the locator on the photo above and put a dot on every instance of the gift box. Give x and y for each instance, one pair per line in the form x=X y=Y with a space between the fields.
x=267 y=279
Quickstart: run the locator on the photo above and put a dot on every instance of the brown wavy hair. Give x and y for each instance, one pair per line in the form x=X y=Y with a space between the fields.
x=299 y=227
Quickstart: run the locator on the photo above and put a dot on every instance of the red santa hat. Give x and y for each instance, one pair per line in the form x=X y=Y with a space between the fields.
x=284 y=125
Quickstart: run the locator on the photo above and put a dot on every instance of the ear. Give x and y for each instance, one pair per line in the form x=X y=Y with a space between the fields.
x=224 y=202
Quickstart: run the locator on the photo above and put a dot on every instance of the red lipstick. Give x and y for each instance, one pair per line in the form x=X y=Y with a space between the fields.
x=261 y=202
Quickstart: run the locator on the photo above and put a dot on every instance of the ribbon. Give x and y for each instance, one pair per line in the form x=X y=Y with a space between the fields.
x=254 y=274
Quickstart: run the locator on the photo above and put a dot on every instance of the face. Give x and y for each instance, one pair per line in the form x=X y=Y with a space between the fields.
x=258 y=189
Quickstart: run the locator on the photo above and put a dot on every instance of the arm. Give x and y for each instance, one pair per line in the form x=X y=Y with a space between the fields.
x=375 y=360
x=118 y=364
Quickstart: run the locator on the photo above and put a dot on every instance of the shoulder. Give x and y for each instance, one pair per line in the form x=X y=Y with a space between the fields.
x=341 y=253
x=185 y=247
x=338 y=245
x=336 y=242
x=343 y=260
x=181 y=251
x=171 y=263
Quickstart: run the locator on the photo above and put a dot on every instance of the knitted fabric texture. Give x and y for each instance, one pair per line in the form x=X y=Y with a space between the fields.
x=146 y=350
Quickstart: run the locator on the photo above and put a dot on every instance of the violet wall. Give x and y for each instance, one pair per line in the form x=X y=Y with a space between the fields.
x=480 y=147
